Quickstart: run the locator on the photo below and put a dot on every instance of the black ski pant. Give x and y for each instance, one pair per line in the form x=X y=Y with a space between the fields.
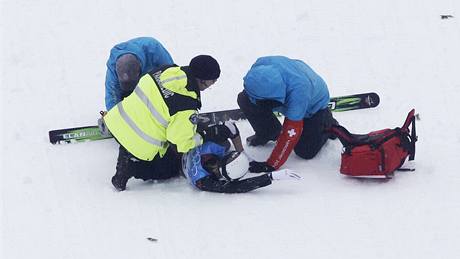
x=267 y=125
x=159 y=168
x=262 y=119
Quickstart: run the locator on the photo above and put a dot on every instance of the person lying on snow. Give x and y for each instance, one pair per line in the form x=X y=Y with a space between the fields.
x=214 y=167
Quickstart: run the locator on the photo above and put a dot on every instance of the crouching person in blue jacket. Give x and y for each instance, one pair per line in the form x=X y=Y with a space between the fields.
x=214 y=167
x=291 y=87
x=128 y=62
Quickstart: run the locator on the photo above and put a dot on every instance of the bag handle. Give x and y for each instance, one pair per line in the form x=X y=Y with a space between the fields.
x=413 y=139
x=409 y=119
x=343 y=134
x=413 y=135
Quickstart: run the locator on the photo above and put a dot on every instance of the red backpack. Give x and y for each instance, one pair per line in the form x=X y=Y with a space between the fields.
x=378 y=153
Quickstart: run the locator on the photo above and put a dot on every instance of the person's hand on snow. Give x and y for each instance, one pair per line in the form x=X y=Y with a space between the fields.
x=284 y=174
x=260 y=167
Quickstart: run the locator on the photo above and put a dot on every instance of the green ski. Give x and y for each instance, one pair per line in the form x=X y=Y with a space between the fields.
x=92 y=133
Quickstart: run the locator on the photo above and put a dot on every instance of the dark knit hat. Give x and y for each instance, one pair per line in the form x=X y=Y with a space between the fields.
x=205 y=67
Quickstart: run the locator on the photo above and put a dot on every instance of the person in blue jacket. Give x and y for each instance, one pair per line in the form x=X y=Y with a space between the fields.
x=291 y=87
x=213 y=167
x=128 y=62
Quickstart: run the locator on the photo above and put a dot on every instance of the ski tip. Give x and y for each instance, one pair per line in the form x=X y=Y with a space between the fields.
x=376 y=99
x=52 y=137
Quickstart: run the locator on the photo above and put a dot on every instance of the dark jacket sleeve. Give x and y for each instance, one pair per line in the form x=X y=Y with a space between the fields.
x=211 y=185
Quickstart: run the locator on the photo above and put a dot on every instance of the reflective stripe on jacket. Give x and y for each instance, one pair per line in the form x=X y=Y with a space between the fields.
x=161 y=110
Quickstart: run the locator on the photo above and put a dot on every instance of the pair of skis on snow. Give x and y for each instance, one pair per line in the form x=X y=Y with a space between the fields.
x=91 y=133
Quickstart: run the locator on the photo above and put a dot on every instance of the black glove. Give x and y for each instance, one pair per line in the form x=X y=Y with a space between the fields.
x=260 y=167
x=220 y=132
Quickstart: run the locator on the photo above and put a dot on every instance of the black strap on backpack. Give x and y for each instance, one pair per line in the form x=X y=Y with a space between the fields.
x=413 y=135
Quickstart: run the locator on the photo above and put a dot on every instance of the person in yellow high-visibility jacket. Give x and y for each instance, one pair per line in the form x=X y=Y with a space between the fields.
x=159 y=120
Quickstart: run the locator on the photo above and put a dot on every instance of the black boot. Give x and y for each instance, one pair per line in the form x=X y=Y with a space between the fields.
x=265 y=124
x=119 y=182
x=123 y=173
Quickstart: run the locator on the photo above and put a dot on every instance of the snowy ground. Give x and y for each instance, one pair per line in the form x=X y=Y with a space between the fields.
x=57 y=201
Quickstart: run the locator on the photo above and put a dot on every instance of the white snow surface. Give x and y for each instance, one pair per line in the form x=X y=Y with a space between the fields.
x=58 y=202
